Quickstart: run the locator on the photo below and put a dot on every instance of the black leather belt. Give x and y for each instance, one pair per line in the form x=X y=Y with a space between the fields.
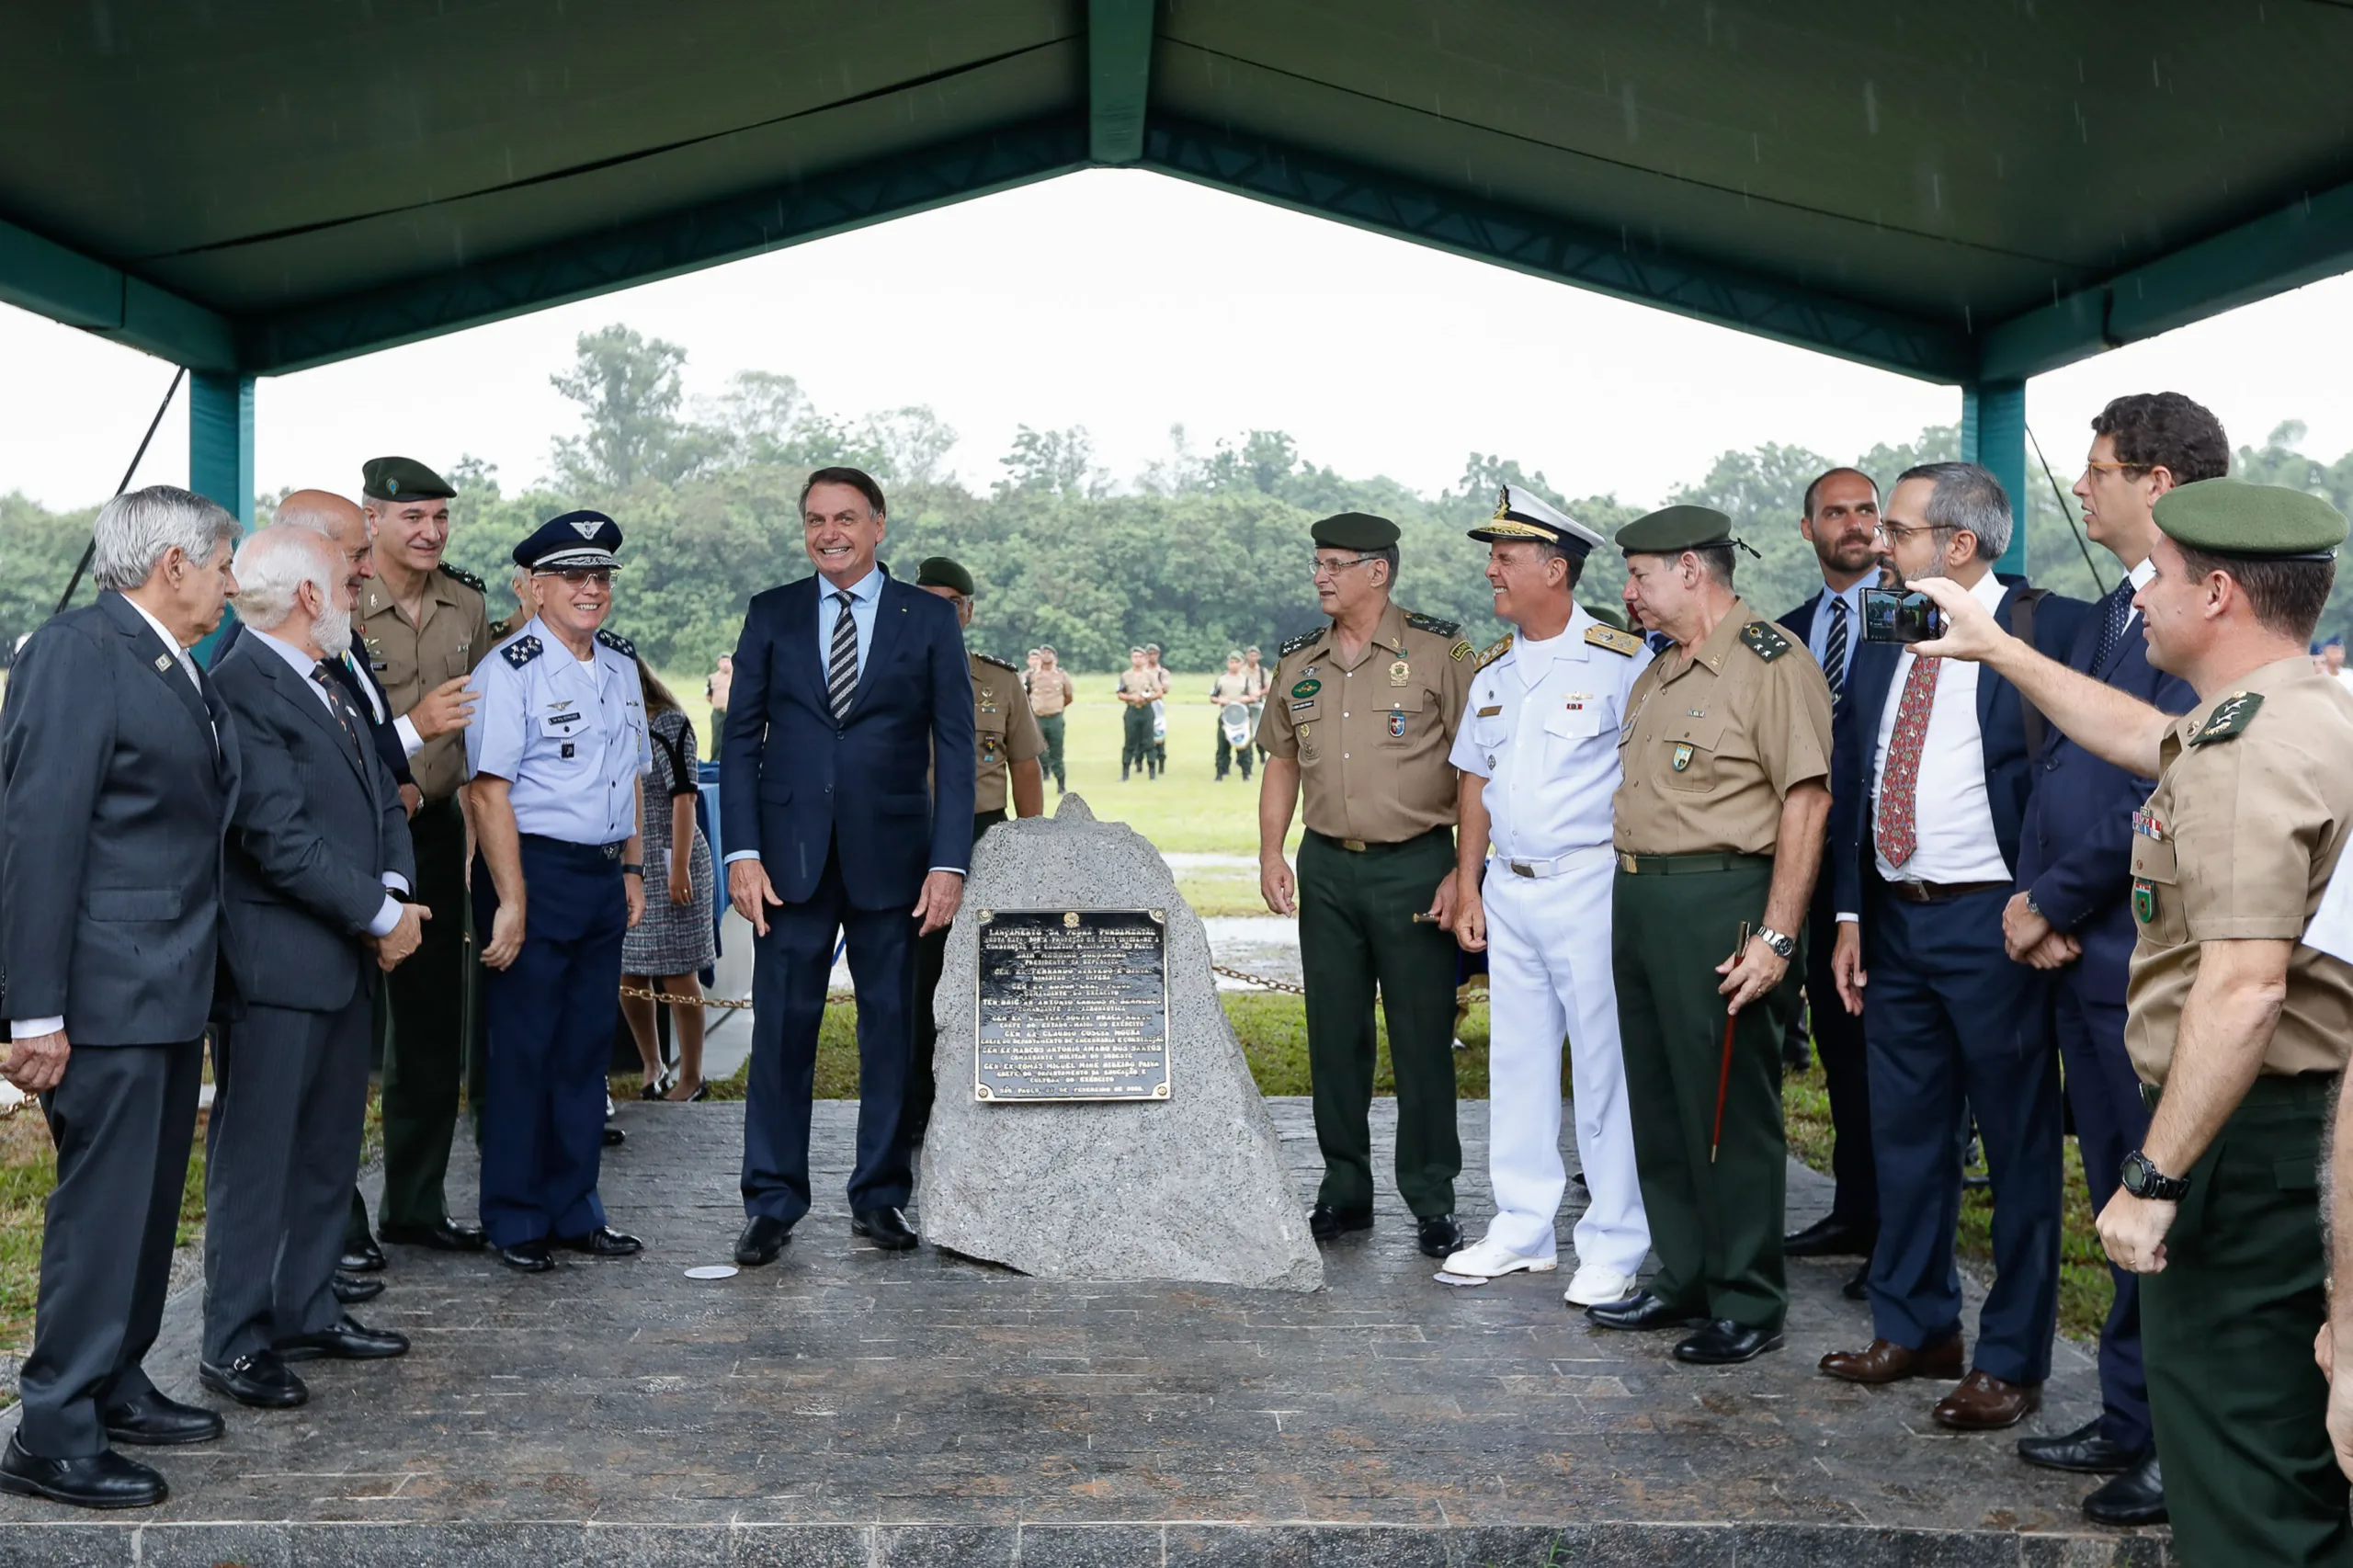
x=1938 y=893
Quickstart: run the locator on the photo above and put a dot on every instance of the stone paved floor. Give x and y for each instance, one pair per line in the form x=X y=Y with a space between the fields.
x=848 y=1386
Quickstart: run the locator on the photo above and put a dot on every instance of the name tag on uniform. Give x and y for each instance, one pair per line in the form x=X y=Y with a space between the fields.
x=560 y=724
x=1491 y=712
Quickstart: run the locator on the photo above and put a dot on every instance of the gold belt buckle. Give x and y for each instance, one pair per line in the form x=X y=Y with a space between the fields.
x=1626 y=864
x=1353 y=846
x=1521 y=868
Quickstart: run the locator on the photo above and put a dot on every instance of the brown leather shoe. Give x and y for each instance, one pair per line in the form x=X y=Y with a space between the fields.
x=1887 y=1362
x=1986 y=1404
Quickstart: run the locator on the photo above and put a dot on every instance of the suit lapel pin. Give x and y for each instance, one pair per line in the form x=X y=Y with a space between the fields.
x=163 y=663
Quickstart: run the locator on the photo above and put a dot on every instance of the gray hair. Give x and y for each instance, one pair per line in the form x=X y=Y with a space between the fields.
x=1967 y=496
x=273 y=565
x=136 y=529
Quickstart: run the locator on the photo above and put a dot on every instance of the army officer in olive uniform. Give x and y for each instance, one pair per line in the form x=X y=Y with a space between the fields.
x=1718 y=826
x=1010 y=746
x=1360 y=722
x=424 y=627
x=2238 y=1018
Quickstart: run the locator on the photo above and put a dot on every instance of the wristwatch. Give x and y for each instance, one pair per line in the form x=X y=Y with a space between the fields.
x=633 y=868
x=2142 y=1179
x=1785 y=945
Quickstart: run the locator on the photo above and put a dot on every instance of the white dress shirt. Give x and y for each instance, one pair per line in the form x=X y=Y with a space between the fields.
x=1540 y=726
x=1954 y=840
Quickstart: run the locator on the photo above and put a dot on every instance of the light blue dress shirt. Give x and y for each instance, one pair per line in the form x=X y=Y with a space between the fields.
x=570 y=737
x=1818 y=640
x=865 y=600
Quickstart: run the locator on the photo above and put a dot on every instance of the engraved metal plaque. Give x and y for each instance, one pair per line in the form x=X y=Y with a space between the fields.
x=1073 y=1005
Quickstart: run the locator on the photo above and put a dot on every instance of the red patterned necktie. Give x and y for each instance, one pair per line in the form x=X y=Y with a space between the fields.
x=1899 y=828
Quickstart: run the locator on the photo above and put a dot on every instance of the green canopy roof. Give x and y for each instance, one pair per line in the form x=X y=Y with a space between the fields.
x=1965 y=193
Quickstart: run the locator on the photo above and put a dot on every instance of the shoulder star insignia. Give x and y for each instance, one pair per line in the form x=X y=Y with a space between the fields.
x=2231 y=717
x=617 y=643
x=1304 y=640
x=1616 y=642
x=1764 y=640
x=522 y=651
x=459 y=573
x=993 y=659
x=1502 y=646
x=1431 y=624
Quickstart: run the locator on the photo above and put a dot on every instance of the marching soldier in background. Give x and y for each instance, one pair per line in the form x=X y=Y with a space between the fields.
x=1362 y=716
x=424 y=627
x=1231 y=691
x=1136 y=693
x=1719 y=832
x=1010 y=746
x=1159 y=708
x=1051 y=692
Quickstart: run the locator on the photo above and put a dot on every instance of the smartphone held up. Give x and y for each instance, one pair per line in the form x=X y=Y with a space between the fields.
x=1901 y=615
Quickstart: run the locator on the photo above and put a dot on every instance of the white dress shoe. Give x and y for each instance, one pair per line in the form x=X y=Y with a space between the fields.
x=1489 y=1259
x=1595 y=1285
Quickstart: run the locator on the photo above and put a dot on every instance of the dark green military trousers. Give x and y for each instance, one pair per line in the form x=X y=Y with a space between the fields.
x=1356 y=932
x=430 y=1055
x=1049 y=725
x=1715 y=1224
x=1135 y=739
x=2227 y=1329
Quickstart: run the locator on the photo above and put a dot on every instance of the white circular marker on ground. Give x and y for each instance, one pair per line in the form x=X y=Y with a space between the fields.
x=712 y=1271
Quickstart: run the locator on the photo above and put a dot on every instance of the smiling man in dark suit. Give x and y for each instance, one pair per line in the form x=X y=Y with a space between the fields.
x=1925 y=834
x=2075 y=879
x=319 y=871
x=849 y=685
x=118 y=772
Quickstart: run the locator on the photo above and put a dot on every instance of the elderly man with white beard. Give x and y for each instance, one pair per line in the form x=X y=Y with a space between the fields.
x=318 y=872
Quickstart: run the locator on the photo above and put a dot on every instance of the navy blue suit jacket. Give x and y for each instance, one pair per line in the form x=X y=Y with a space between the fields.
x=2075 y=853
x=384 y=732
x=795 y=784
x=1799 y=623
x=2009 y=772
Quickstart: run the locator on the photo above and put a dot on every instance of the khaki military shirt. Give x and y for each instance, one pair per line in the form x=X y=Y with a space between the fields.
x=1713 y=743
x=410 y=659
x=2253 y=805
x=1234 y=687
x=1371 y=740
x=1007 y=730
x=1139 y=683
x=1051 y=692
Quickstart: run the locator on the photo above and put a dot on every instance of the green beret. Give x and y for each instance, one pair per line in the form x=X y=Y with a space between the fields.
x=938 y=571
x=1355 y=530
x=402 y=479
x=2230 y=516
x=1674 y=529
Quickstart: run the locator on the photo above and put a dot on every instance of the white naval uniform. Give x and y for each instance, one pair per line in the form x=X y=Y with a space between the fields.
x=1542 y=729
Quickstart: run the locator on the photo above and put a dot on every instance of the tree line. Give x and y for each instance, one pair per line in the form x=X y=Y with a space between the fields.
x=1202 y=552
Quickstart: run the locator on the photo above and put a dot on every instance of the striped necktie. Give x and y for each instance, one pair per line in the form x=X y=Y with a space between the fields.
x=1834 y=651
x=841 y=666
x=325 y=677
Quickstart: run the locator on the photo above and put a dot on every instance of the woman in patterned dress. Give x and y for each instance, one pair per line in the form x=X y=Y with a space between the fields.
x=676 y=937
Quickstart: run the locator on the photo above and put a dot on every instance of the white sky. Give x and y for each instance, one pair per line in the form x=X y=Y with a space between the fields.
x=1127 y=301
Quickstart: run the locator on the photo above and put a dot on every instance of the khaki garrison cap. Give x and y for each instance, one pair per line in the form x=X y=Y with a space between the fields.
x=2268 y=522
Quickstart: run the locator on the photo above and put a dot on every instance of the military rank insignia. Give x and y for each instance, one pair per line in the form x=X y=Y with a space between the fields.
x=1616 y=642
x=1396 y=724
x=2231 y=717
x=1400 y=672
x=1682 y=755
x=522 y=651
x=1764 y=640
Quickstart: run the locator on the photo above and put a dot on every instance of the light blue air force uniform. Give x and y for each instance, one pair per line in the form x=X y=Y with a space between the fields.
x=571 y=739
x=1541 y=728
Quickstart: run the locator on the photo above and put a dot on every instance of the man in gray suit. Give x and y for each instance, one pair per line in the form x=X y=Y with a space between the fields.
x=118 y=773
x=318 y=869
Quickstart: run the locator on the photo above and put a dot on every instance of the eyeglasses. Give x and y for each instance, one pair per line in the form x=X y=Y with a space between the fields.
x=1319 y=567
x=575 y=576
x=1895 y=533
x=2121 y=467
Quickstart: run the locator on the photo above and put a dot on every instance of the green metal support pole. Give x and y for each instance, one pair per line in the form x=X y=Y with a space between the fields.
x=1993 y=435
x=220 y=452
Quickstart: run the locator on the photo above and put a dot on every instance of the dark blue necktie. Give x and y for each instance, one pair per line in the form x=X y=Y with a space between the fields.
x=2114 y=613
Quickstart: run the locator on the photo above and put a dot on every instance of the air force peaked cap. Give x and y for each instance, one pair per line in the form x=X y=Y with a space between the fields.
x=576 y=539
x=402 y=479
x=1674 y=529
x=2270 y=522
x=940 y=572
x=1354 y=531
x=1521 y=513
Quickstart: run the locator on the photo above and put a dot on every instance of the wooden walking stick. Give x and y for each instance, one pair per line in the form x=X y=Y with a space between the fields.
x=1723 y=1072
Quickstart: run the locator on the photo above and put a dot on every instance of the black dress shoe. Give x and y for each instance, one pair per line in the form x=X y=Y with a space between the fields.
x=761 y=1240
x=447 y=1236
x=1857 y=1287
x=603 y=1242
x=1437 y=1235
x=103 y=1480
x=1829 y=1237
x=347 y=1340
x=614 y=1136
x=262 y=1380
x=2083 y=1450
x=365 y=1258
x=1642 y=1311
x=350 y=1291
x=530 y=1257
x=886 y=1228
x=1723 y=1343
x=153 y=1421
x=1326 y=1223
x=2136 y=1497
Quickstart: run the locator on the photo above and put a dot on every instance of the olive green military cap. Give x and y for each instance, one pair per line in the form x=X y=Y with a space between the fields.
x=2271 y=522
x=402 y=479
x=1673 y=529
x=1355 y=530
x=938 y=571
